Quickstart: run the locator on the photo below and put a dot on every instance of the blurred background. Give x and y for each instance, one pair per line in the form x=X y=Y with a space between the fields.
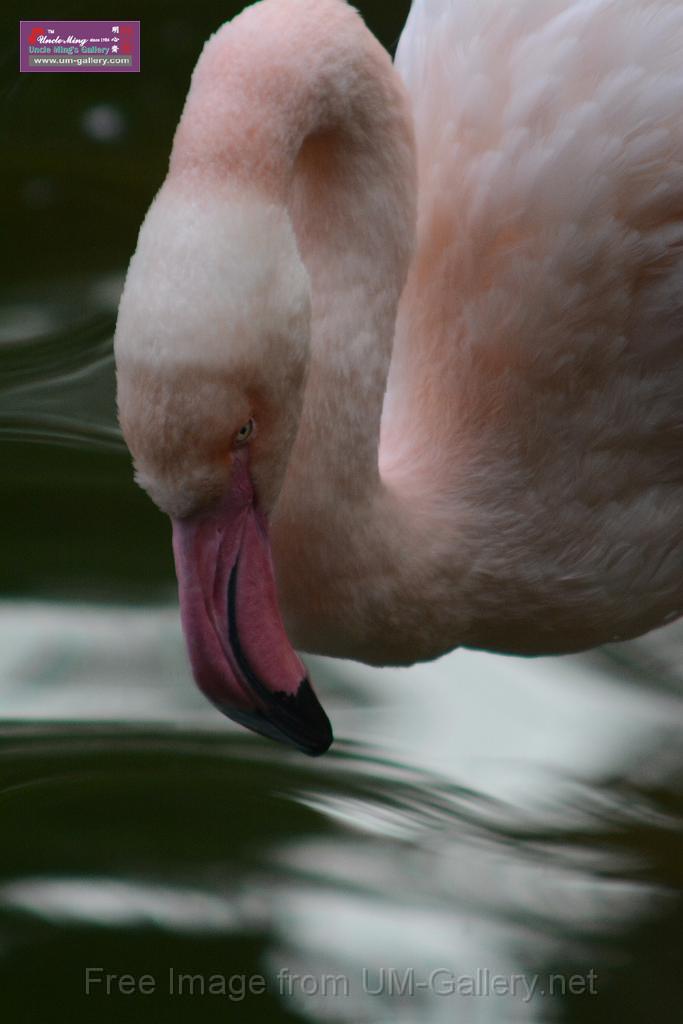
x=480 y=814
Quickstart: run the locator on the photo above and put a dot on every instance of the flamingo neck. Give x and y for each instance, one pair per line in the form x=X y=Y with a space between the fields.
x=324 y=118
x=350 y=544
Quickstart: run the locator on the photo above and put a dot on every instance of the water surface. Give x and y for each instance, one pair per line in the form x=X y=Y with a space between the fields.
x=479 y=818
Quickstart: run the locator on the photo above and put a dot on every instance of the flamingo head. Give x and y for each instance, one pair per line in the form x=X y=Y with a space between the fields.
x=212 y=347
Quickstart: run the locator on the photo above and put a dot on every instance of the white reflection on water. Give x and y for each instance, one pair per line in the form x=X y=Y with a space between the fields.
x=104 y=122
x=113 y=902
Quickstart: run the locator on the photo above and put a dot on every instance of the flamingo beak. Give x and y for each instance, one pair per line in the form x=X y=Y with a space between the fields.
x=240 y=654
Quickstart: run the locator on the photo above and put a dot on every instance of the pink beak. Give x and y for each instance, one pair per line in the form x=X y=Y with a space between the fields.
x=239 y=651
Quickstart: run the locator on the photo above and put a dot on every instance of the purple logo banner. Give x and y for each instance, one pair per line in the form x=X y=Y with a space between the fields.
x=46 y=45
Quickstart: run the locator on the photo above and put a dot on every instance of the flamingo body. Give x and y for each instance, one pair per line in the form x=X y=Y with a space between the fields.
x=443 y=303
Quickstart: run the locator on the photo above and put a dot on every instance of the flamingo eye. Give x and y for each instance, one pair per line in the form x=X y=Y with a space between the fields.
x=245 y=432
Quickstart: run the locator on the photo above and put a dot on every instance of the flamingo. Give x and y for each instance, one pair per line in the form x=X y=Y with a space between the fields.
x=399 y=348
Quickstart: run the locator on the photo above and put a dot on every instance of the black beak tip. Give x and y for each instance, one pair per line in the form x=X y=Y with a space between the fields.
x=297 y=720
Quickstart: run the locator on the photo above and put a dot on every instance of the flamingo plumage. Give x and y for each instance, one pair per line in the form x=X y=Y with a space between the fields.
x=399 y=350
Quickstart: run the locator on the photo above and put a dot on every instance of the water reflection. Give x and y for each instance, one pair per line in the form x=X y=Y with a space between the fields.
x=56 y=364
x=114 y=903
x=142 y=832
x=104 y=122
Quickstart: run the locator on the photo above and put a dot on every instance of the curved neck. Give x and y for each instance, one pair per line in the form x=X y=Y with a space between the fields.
x=352 y=202
x=324 y=122
x=296 y=99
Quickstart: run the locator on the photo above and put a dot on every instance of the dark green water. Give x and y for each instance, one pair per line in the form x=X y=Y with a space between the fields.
x=483 y=826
